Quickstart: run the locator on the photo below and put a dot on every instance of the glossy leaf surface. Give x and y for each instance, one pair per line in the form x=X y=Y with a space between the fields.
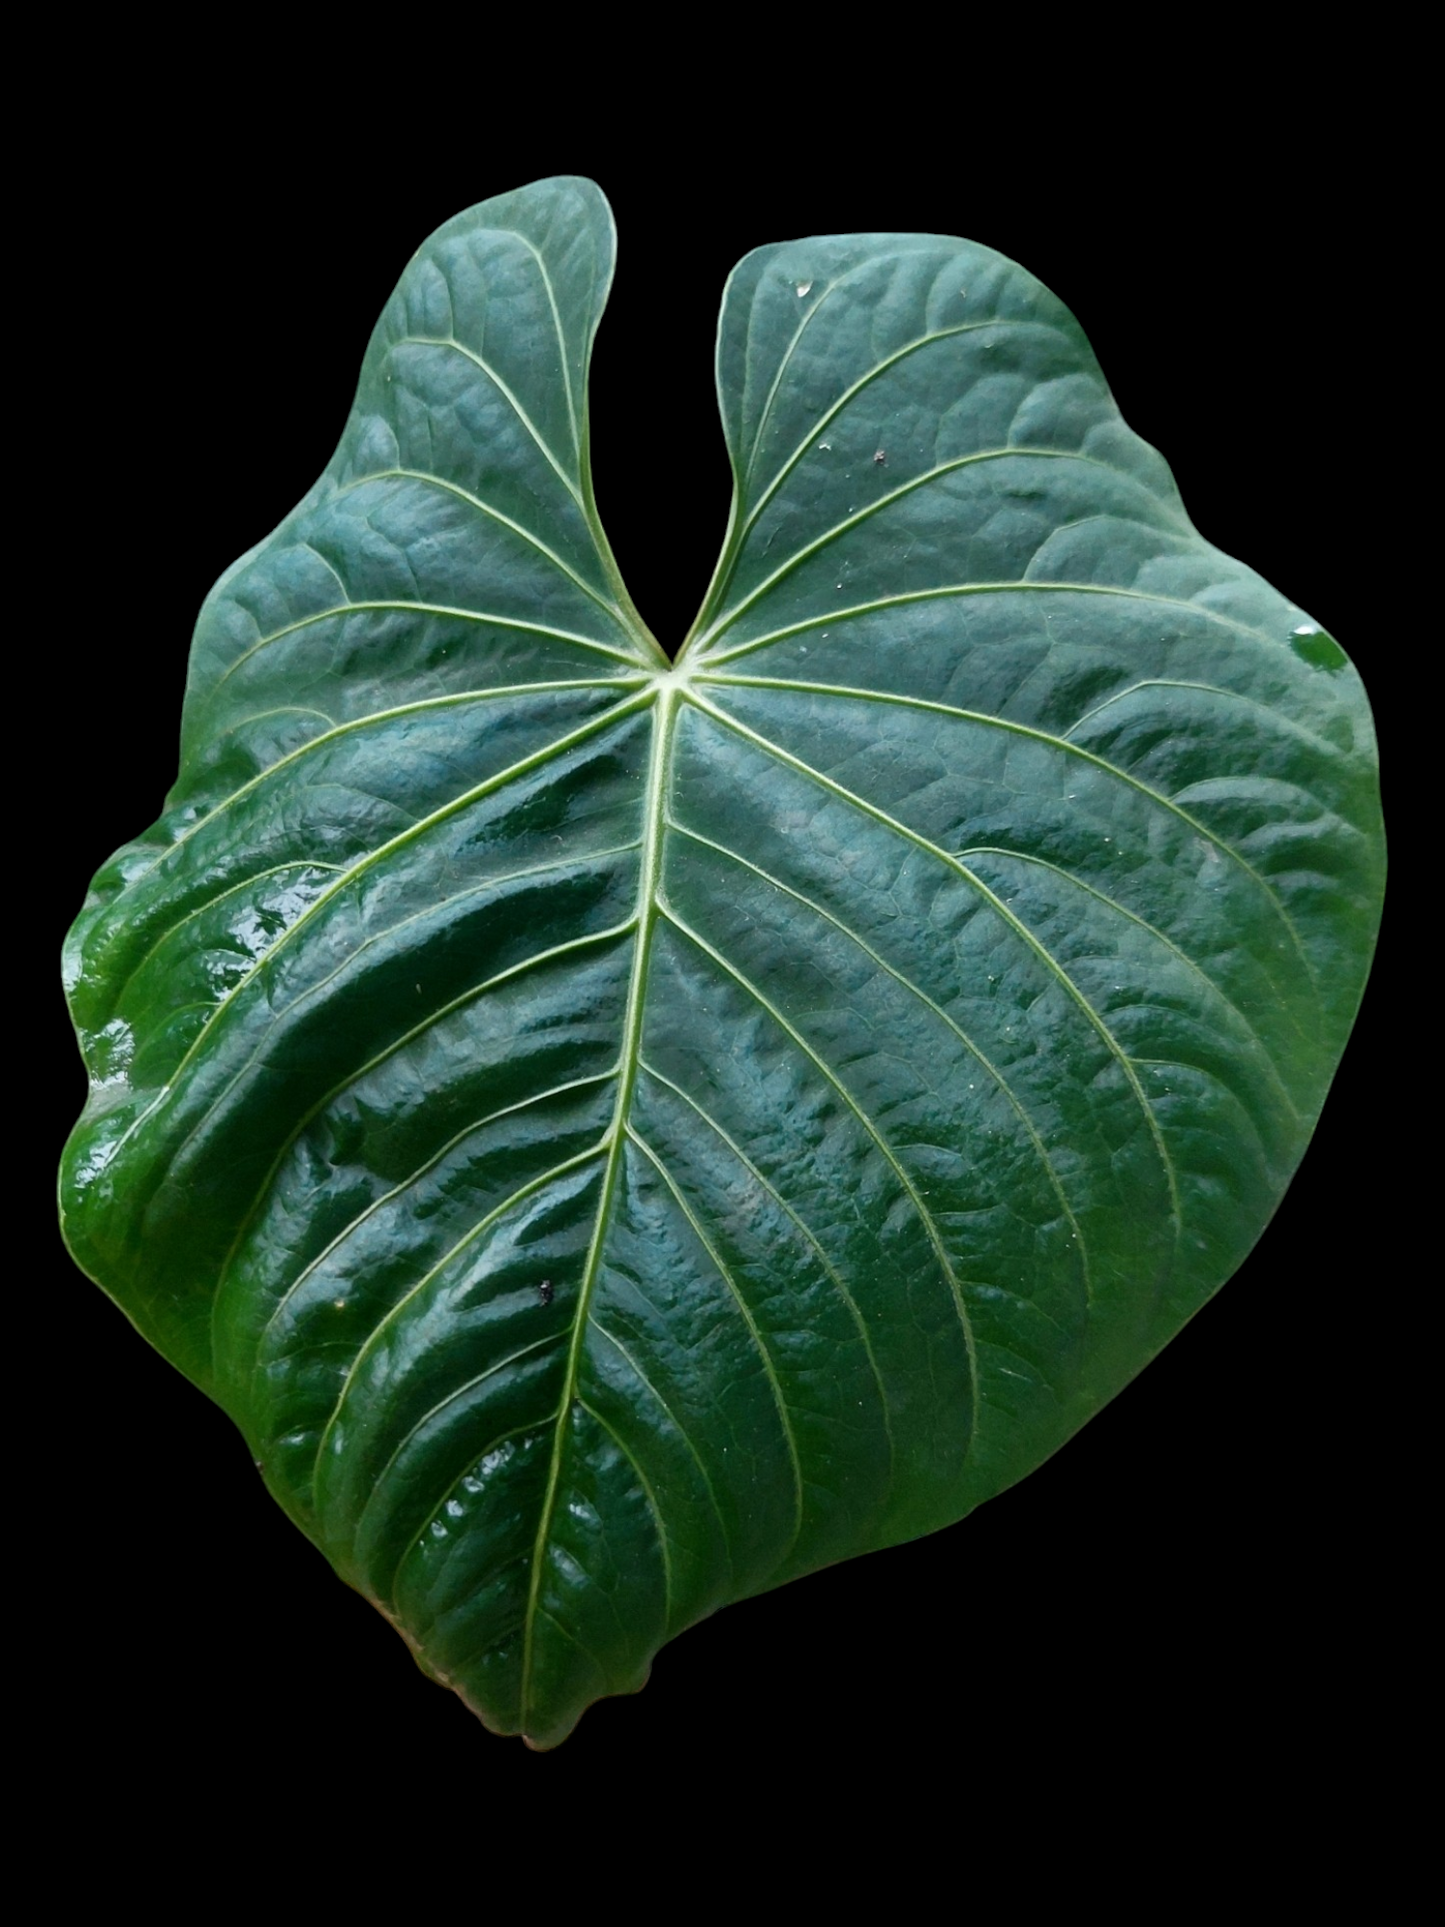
x=617 y=1136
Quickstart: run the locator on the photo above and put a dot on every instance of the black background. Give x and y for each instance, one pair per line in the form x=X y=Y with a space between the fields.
x=1187 y=1574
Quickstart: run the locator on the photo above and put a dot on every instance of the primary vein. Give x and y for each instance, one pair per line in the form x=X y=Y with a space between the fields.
x=649 y=871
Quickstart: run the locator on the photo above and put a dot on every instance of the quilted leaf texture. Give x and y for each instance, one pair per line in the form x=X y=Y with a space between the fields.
x=618 y=1134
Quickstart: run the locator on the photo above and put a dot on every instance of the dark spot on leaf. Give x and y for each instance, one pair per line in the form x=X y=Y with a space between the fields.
x=544 y=1291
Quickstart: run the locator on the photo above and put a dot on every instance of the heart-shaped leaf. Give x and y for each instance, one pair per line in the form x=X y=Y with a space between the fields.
x=619 y=1135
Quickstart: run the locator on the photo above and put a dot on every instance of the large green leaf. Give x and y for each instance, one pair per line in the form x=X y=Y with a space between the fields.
x=617 y=1136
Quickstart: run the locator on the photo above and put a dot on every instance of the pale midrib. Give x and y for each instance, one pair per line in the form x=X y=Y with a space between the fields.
x=649 y=907
x=649 y=874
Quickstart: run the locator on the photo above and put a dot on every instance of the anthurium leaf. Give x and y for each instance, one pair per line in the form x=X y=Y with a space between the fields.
x=618 y=1135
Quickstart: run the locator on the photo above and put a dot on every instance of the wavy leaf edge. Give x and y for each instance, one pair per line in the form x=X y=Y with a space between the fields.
x=733 y=917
